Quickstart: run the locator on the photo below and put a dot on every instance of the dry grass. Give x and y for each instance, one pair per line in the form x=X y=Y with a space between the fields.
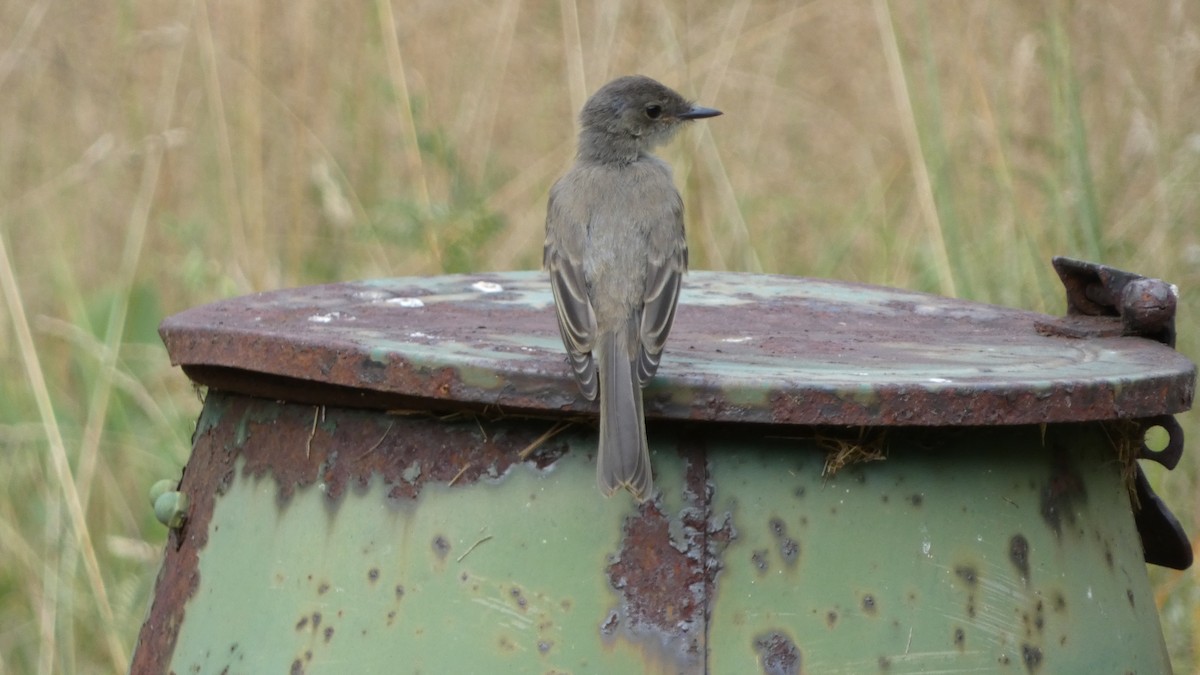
x=868 y=445
x=160 y=155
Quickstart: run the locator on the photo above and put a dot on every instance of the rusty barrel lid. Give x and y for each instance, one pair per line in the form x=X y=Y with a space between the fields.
x=745 y=348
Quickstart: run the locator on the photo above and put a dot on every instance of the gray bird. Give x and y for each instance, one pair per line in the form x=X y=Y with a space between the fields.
x=616 y=252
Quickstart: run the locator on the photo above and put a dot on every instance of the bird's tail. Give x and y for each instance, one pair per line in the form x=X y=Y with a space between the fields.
x=624 y=457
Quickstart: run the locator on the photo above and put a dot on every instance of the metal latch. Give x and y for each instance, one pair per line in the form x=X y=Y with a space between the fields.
x=1104 y=301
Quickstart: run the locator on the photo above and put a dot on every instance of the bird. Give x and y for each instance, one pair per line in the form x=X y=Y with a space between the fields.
x=616 y=252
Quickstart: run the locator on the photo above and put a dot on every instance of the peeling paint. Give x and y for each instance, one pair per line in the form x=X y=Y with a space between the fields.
x=778 y=654
x=865 y=355
x=664 y=584
x=381 y=476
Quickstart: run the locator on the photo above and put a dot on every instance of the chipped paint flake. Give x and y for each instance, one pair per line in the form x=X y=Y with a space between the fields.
x=487 y=287
x=406 y=302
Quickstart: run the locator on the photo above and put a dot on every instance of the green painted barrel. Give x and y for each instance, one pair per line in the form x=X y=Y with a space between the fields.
x=398 y=476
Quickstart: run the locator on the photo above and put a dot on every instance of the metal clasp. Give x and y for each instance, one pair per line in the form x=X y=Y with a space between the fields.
x=1103 y=301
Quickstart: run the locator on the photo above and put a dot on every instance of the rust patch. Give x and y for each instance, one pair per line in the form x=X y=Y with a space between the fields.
x=519 y=598
x=282 y=441
x=208 y=473
x=409 y=450
x=968 y=574
x=777 y=654
x=1031 y=656
x=900 y=405
x=789 y=549
x=1035 y=621
x=323 y=345
x=970 y=577
x=1018 y=555
x=610 y=625
x=662 y=589
x=868 y=604
x=758 y=558
x=1062 y=493
x=441 y=547
x=665 y=583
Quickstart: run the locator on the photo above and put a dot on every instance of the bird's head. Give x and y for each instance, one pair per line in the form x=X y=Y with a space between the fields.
x=631 y=115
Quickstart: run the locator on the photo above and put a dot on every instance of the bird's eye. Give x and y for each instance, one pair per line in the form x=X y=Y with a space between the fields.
x=653 y=111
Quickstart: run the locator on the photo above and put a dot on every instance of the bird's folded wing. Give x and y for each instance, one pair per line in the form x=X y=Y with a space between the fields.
x=576 y=320
x=663 y=280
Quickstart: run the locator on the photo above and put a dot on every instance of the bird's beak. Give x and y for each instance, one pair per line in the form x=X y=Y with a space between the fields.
x=699 y=112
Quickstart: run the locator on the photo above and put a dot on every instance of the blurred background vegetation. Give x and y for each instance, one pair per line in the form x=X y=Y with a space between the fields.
x=159 y=155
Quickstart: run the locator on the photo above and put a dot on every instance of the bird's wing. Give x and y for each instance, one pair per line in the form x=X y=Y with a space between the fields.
x=576 y=319
x=663 y=279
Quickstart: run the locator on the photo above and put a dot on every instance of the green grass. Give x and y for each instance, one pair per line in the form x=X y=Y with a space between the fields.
x=156 y=156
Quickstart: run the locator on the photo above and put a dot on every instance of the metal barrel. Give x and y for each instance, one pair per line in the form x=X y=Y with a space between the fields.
x=398 y=476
